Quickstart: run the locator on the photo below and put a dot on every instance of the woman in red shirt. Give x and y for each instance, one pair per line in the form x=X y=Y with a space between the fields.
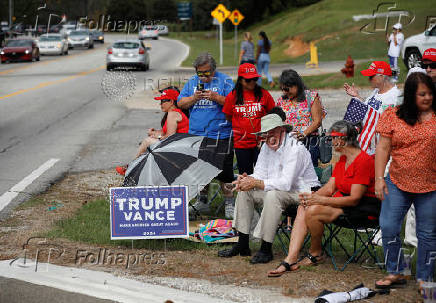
x=246 y=104
x=173 y=121
x=349 y=191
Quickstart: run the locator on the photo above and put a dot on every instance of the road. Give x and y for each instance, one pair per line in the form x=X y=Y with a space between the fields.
x=54 y=117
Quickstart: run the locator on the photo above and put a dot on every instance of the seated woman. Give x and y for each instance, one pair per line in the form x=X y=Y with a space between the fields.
x=349 y=191
x=174 y=121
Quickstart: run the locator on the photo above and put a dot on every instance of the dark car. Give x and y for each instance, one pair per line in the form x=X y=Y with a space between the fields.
x=19 y=50
x=97 y=36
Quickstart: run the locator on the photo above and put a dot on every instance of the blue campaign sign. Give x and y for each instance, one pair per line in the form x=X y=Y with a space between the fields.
x=149 y=212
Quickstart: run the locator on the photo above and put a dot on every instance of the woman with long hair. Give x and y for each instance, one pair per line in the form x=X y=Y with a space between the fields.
x=263 y=59
x=408 y=136
x=303 y=109
x=247 y=50
x=173 y=121
x=349 y=191
x=244 y=107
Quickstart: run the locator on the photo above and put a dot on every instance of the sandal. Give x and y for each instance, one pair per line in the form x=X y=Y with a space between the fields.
x=286 y=265
x=314 y=260
x=395 y=282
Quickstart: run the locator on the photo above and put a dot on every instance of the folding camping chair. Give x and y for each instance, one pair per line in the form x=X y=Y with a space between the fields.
x=364 y=231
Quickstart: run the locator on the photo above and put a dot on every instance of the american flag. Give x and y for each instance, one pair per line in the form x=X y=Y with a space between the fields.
x=358 y=111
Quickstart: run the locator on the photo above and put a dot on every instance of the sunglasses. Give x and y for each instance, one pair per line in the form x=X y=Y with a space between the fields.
x=252 y=79
x=165 y=100
x=205 y=73
x=431 y=65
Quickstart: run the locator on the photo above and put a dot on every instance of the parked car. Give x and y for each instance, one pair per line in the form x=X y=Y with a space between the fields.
x=128 y=53
x=80 y=38
x=149 y=32
x=162 y=30
x=414 y=47
x=20 y=50
x=97 y=36
x=53 y=44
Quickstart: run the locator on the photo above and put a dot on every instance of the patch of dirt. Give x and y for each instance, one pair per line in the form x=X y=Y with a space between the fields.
x=76 y=190
x=296 y=47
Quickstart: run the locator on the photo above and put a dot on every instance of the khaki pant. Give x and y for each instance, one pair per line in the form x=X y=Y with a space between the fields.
x=274 y=203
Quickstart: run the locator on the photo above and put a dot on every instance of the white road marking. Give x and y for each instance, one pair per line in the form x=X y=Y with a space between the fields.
x=8 y=196
x=98 y=284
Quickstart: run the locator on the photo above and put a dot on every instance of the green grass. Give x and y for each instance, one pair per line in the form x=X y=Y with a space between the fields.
x=329 y=23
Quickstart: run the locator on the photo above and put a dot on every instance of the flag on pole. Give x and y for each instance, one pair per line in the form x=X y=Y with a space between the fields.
x=358 y=111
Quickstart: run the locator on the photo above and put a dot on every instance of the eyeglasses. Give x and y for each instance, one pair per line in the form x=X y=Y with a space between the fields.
x=252 y=79
x=165 y=100
x=431 y=65
x=205 y=73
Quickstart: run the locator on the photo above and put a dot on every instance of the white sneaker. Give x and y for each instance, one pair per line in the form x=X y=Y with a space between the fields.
x=229 y=209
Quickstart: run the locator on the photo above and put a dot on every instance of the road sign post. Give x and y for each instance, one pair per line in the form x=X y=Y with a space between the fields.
x=220 y=13
x=236 y=18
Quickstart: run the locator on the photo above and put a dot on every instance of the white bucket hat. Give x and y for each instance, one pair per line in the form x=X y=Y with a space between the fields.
x=270 y=122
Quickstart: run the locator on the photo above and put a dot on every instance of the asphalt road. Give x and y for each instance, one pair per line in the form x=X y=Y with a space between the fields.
x=54 y=117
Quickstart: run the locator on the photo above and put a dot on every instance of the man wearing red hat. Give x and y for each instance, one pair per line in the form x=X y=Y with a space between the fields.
x=429 y=63
x=384 y=95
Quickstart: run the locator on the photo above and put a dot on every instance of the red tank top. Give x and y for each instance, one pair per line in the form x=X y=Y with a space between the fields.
x=182 y=126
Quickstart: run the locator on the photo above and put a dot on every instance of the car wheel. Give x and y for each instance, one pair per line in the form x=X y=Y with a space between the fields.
x=91 y=46
x=155 y=38
x=413 y=58
x=109 y=68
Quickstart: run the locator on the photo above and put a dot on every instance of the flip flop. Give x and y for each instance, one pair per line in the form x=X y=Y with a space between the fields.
x=395 y=283
x=287 y=267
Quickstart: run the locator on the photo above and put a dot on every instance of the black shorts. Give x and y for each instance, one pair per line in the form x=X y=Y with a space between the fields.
x=222 y=153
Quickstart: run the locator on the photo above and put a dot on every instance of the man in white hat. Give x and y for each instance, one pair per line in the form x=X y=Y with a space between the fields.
x=283 y=170
x=395 y=40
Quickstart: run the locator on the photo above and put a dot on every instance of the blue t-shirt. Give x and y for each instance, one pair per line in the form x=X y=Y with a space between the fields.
x=206 y=117
x=262 y=47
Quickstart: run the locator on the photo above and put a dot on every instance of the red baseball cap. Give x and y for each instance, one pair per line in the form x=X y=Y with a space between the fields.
x=248 y=71
x=429 y=54
x=378 y=67
x=170 y=94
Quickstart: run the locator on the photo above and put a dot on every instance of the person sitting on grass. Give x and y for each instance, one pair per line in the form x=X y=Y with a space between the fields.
x=173 y=121
x=283 y=169
x=349 y=191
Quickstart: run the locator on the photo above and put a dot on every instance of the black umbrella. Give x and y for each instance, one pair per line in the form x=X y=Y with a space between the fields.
x=180 y=159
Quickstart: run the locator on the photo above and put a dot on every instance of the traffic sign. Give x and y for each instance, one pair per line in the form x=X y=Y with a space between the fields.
x=236 y=17
x=184 y=10
x=220 y=13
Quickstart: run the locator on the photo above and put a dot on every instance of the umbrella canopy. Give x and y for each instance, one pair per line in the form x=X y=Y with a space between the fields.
x=181 y=159
x=358 y=293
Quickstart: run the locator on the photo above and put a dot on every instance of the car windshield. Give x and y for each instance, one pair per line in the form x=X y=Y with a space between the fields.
x=50 y=38
x=78 y=33
x=21 y=43
x=150 y=28
x=126 y=45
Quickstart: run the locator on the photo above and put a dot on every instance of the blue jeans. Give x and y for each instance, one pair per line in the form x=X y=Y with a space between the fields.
x=394 y=207
x=263 y=67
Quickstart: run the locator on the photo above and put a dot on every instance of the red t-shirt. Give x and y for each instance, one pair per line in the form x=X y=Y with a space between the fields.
x=246 y=117
x=182 y=126
x=360 y=171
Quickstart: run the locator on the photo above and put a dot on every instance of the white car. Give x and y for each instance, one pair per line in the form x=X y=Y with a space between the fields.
x=414 y=47
x=162 y=30
x=149 y=32
x=52 y=44
x=128 y=53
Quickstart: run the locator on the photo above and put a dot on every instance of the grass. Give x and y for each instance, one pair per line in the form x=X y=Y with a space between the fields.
x=328 y=23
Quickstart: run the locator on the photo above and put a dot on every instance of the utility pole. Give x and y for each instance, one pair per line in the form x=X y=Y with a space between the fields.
x=10 y=13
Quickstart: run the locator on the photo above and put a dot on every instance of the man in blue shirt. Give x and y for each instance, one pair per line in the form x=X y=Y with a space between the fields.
x=204 y=95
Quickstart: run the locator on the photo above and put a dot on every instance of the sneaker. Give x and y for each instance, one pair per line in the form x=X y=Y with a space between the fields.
x=201 y=206
x=229 y=209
